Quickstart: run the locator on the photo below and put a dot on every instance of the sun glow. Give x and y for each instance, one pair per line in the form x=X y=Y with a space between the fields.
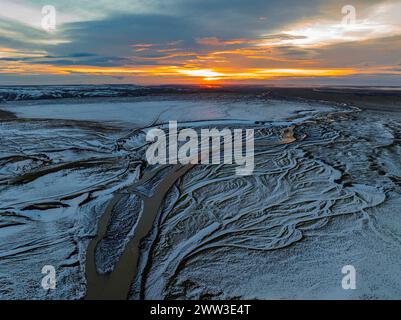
x=190 y=74
x=204 y=73
x=260 y=74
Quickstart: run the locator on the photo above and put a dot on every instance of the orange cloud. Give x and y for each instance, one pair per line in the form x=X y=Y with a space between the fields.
x=174 y=71
x=213 y=41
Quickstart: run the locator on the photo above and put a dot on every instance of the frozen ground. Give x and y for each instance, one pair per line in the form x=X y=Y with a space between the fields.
x=325 y=193
x=145 y=112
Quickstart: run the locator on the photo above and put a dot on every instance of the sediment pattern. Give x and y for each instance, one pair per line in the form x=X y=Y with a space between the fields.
x=324 y=186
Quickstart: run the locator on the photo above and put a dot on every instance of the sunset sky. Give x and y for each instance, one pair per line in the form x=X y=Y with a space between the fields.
x=283 y=42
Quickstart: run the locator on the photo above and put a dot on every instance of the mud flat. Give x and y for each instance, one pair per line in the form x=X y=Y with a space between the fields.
x=77 y=193
x=116 y=285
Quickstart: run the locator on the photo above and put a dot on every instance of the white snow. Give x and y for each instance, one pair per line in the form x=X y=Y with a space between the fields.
x=145 y=112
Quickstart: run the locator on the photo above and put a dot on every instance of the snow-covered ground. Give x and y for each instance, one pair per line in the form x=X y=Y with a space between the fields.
x=327 y=197
x=144 y=112
x=56 y=92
